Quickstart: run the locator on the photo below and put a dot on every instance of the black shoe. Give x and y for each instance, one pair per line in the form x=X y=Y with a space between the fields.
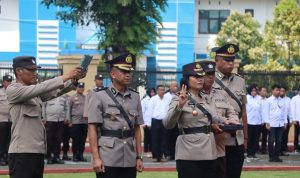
x=50 y=161
x=57 y=160
x=284 y=154
x=81 y=158
x=65 y=157
x=277 y=160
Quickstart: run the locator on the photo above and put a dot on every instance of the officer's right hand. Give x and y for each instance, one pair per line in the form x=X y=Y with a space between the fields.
x=98 y=165
x=74 y=73
x=295 y=122
x=268 y=127
x=182 y=97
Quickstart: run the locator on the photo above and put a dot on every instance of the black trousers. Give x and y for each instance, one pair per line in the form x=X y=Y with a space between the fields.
x=117 y=172
x=234 y=161
x=221 y=167
x=196 y=169
x=79 y=134
x=147 y=139
x=264 y=138
x=285 y=138
x=275 y=136
x=26 y=165
x=5 y=135
x=253 y=139
x=296 y=136
x=66 y=138
x=54 y=137
x=158 y=138
x=171 y=137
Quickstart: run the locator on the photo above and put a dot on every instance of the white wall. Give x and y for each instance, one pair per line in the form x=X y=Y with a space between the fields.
x=263 y=11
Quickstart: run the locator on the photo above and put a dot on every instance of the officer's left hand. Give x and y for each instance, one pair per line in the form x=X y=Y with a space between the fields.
x=139 y=165
x=216 y=129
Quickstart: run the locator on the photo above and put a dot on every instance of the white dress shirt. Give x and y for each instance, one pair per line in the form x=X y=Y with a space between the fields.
x=158 y=108
x=145 y=106
x=295 y=108
x=274 y=112
x=254 y=110
x=287 y=101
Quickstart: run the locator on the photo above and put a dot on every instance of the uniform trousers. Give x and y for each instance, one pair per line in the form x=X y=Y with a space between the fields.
x=5 y=135
x=158 y=138
x=296 y=136
x=26 y=165
x=196 y=169
x=54 y=137
x=117 y=172
x=147 y=139
x=221 y=167
x=66 y=138
x=234 y=161
x=285 y=138
x=264 y=138
x=78 y=134
x=275 y=136
x=253 y=139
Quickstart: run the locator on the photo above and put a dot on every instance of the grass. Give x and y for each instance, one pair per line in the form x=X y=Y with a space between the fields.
x=248 y=174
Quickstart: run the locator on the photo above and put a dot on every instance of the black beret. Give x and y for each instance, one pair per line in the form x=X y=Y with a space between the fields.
x=98 y=77
x=7 y=78
x=28 y=62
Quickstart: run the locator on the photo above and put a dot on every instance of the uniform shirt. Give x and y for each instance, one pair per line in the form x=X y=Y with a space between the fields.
x=145 y=107
x=220 y=99
x=4 y=108
x=28 y=131
x=274 y=112
x=287 y=101
x=102 y=110
x=199 y=146
x=254 y=110
x=76 y=109
x=55 y=110
x=87 y=99
x=295 y=108
x=236 y=84
x=158 y=108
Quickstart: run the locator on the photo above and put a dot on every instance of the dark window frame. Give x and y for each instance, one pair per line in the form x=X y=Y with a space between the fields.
x=251 y=11
x=219 y=19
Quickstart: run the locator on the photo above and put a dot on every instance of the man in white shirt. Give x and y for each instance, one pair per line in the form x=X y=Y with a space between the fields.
x=263 y=93
x=285 y=136
x=254 y=115
x=275 y=116
x=295 y=118
x=158 y=108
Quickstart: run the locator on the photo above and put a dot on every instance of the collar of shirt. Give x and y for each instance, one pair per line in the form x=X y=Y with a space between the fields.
x=221 y=76
x=115 y=91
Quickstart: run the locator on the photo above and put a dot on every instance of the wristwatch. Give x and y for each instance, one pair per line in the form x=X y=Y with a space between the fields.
x=139 y=157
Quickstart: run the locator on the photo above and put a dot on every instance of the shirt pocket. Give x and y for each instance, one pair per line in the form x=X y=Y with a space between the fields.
x=106 y=142
x=221 y=108
x=191 y=138
x=133 y=114
x=112 y=113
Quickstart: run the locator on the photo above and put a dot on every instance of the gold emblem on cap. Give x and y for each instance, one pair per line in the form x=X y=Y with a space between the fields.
x=128 y=59
x=198 y=66
x=231 y=50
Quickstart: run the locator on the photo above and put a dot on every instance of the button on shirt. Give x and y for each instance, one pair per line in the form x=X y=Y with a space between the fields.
x=254 y=110
x=295 y=108
x=158 y=108
x=274 y=112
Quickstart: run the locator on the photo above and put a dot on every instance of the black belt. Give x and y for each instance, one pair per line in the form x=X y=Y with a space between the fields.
x=205 y=129
x=117 y=133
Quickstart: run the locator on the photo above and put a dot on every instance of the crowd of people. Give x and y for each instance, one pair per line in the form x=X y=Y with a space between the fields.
x=205 y=122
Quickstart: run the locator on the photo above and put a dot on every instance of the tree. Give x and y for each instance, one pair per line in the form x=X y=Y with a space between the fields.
x=124 y=25
x=240 y=29
x=286 y=27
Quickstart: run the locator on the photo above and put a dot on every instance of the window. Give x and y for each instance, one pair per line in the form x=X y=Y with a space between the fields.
x=210 y=21
x=251 y=11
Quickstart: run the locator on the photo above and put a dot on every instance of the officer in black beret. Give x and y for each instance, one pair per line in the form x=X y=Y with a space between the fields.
x=28 y=135
x=117 y=111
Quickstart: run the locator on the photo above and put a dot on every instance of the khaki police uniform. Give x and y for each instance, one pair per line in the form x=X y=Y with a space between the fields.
x=79 y=125
x=54 y=113
x=114 y=151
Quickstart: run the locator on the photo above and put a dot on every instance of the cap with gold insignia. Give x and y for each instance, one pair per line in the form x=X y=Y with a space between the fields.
x=27 y=62
x=194 y=69
x=7 y=78
x=80 y=85
x=208 y=66
x=124 y=62
x=98 y=77
x=227 y=52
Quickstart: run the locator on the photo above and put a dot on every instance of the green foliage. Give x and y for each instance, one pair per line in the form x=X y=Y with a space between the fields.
x=124 y=25
x=270 y=66
x=241 y=29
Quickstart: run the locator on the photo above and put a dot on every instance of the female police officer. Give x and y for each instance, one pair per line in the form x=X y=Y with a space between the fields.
x=195 y=148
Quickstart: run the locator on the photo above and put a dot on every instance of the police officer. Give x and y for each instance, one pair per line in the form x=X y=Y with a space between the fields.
x=25 y=96
x=235 y=86
x=117 y=110
x=79 y=123
x=220 y=99
x=195 y=149
x=5 y=124
x=54 y=114
x=66 y=133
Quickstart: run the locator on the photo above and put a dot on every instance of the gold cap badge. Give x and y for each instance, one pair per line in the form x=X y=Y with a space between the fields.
x=231 y=50
x=128 y=59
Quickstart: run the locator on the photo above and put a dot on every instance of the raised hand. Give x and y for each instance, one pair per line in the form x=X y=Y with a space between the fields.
x=182 y=97
x=74 y=73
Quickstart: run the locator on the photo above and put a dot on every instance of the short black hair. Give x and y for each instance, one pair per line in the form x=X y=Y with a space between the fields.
x=284 y=87
x=149 y=91
x=159 y=86
x=276 y=86
x=251 y=87
x=260 y=88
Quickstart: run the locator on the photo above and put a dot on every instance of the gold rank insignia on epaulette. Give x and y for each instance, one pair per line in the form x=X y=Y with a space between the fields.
x=131 y=89
x=100 y=89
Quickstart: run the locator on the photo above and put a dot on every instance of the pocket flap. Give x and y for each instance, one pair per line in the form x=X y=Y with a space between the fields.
x=191 y=138
x=31 y=114
x=106 y=142
x=133 y=112
x=221 y=105
x=112 y=111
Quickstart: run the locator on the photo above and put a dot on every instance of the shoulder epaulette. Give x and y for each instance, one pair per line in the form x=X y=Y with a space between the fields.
x=100 y=89
x=238 y=75
x=133 y=90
